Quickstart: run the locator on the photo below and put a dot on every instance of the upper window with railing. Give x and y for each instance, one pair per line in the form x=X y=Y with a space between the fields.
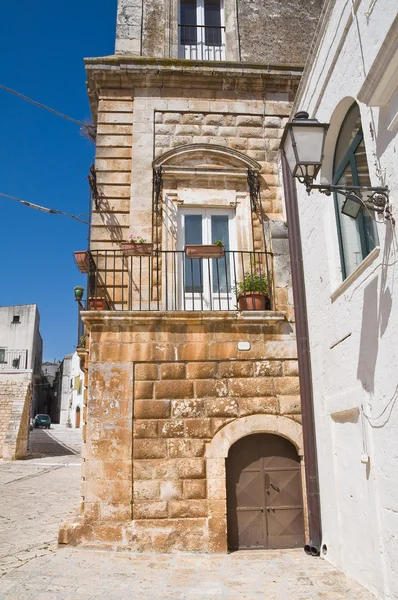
x=201 y=30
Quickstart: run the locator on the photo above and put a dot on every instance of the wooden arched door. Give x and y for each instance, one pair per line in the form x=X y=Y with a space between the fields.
x=77 y=417
x=264 y=494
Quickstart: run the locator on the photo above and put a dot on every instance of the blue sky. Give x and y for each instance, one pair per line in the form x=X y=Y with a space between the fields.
x=43 y=158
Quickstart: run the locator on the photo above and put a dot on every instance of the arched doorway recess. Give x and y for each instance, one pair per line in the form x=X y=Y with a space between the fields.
x=264 y=494
x=77 y=417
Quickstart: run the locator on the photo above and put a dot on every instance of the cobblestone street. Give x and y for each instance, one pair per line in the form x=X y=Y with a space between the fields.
x=39 y=493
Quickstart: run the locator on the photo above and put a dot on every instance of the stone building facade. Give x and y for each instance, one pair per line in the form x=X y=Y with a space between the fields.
x=15 y=404
x=181 y=380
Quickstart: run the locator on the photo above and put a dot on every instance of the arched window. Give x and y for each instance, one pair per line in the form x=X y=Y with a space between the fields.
x=357 y=237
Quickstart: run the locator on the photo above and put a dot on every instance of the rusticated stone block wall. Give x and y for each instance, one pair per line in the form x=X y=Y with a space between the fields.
x=159 y=391
x=257 y=136
x=15 y=395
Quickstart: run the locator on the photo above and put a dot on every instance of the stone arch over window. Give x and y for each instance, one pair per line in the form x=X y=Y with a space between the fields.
x=216 y=453
x=205 y=175
x=207 y=155
x=336 y=122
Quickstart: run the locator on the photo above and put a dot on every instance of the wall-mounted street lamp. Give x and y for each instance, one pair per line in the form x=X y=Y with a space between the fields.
x=79 y=293
x=303 y=144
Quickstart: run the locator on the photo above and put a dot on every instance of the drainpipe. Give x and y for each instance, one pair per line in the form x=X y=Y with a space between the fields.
x=303 y=350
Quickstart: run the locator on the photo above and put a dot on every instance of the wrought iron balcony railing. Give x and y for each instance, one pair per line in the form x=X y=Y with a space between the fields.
x=13 y=359
x=201 y=42
x=171 y=281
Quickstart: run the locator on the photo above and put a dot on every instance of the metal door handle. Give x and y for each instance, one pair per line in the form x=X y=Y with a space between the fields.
x=275 y=487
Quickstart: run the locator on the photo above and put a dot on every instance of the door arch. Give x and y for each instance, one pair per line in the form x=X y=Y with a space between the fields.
x=264 y=494
x=77 y=417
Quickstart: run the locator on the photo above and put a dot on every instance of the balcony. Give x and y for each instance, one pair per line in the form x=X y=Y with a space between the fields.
x=172 y=280
x=13 y=360
x=201 y=42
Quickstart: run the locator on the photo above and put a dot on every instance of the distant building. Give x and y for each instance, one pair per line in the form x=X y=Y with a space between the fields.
x=49 y=370
x=62 y=385
x=21 y=348
x=48 y=393
x=68 y=388
x=76 y=399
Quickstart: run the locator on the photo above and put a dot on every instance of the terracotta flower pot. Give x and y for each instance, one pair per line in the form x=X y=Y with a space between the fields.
x=96 y=303
x=204 y=251
x=82 y=260
x=143 y=249
x=252 y=301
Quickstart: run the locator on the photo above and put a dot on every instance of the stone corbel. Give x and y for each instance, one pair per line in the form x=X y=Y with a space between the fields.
x=173 y=197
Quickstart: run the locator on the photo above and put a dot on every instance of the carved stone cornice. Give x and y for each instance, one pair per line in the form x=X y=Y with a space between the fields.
x=99 y=319
x=128 y=72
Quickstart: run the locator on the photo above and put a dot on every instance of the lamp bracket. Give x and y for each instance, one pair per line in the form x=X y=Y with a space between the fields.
x=376 y=201
x=158 y=183
x=254 y=187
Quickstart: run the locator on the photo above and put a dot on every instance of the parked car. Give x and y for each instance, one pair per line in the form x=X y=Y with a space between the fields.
x=42 y=421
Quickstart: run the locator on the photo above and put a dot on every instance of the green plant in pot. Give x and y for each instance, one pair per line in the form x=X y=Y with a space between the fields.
x=136 y=245
x=252 y=290
x=214 y=250
x=82 y=342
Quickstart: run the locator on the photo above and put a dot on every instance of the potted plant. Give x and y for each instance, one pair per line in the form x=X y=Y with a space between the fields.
x=136 y=246
x=215 y=250
x=252 y=291
x=82 y=260
x=82 y=342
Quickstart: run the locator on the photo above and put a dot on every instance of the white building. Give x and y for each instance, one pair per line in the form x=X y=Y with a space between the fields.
x=20 y=339
x=21 y=345
x=351 y=281
x=77 y=380
x=21 y=349
x=71 y=393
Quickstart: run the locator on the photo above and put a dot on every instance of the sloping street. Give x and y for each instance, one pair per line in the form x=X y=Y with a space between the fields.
x=40 y=493
x=37 y=495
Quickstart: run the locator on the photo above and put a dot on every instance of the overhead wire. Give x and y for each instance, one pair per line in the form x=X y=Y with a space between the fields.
x=52 y=110
x=86 y=126
x=44 y=208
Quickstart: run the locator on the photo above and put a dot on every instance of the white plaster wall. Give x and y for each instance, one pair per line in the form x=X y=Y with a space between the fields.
x=24 y=335
x=77 y=399
x=66 y=391
x=356 y=381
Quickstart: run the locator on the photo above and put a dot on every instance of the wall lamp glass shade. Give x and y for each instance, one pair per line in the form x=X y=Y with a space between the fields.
x=352 y=207
x=79 y=293
x=303 y=144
